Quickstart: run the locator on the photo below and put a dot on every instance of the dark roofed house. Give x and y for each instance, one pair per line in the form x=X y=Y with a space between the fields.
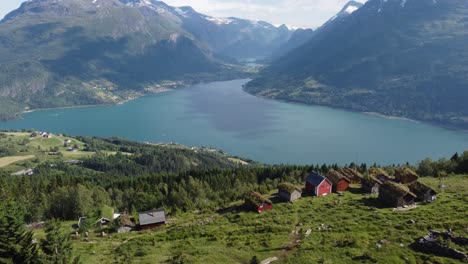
x=423 y=192
x=255 y=201
x=152 y=219
x=339 y=182
x=371 y=184
x=396 y=195
x=289 y=192
x=317 y=184
x=405 y=175
x=353 y=175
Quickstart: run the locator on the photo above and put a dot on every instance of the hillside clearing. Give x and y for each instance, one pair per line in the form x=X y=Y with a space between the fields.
x=5 y=161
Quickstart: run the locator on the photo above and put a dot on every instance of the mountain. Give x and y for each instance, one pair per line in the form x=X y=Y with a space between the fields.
x=346 y=11
x=76 y=52
x=395 y=57
x=298 y=38
x=234 y=37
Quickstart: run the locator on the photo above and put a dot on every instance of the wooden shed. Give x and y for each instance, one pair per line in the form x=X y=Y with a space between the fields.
x=380 y=174
x=396 y=195
x=256 y=202
x=371 y=184
x=406 y=175
x=289 y=192
x=339 y=182
x=317 y=184
x=352 y=174
x=152 y=219
x=423 y=192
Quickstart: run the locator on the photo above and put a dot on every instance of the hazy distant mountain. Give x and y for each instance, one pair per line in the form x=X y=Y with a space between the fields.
x=397 y=57
x=298 y=38
x=234 y=37
x=72 y=52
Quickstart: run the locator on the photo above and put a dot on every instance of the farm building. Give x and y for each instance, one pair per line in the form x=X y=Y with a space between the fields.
x=255 y=201
x=353 y=175
x=125 y=223
x=339 y=182
x=371 y=184
x=289 y=192
x=380 y=174
x=405 y=176
x=152 y=219
x=317 y=184
x=423 y=192
x=396 y=195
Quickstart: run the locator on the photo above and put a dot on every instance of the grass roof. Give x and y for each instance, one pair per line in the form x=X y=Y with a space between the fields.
x=419 y=187
x=396 y=189
x=256 y=198
x=287 y=187
x=351 y=173
x=334 y=177
x=370 y=180
x=405 y=171
x=374 y=171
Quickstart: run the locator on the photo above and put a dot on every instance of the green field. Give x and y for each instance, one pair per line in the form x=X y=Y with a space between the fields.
x=362 y=232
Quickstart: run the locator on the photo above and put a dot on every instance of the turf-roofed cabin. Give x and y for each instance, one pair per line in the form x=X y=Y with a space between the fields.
x=380 y=174
x=405 y=176
x=353 y=175
x=288 y=192
x=317 y=184
x=396 y=195
x=371 y=184
x=152 y=219
x=423 y=192
x=256 y=202
x=339 y=182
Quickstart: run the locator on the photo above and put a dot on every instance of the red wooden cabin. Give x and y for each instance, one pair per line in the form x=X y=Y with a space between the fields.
x=317 y=184
x=340 y=183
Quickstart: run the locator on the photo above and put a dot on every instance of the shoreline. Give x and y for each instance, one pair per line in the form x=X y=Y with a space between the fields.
x=121 y=102
x=369 y=113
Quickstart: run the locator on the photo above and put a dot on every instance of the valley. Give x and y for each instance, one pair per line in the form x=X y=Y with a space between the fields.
x=134 y=131
x=223 y=116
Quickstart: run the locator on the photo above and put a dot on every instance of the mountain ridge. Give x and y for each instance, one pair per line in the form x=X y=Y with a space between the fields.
x=70 y=53
x=399 y=60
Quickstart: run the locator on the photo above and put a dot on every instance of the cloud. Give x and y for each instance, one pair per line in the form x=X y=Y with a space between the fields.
x=303 y=13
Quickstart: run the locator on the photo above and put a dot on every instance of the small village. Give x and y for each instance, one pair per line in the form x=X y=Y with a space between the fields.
x=403 y=191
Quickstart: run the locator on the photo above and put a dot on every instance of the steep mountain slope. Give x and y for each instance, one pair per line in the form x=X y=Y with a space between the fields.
x=75 y=52
x=396 y=57
x=298 y=38
x=71 y=52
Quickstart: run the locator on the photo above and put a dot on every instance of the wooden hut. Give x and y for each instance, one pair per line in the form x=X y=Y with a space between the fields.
x=289 y=192
x=371 y=184
x=380 y=174
x=396 y=195
x=152 y=219
x=317 y=184
x=353 y=175
x=256 y=202
x=339 y=182
x=423 y=192
x=405 y=175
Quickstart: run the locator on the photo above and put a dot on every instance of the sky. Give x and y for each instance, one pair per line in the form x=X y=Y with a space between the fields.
x=294 y=13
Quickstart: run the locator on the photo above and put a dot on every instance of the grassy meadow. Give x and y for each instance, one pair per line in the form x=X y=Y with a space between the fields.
x=361 y=232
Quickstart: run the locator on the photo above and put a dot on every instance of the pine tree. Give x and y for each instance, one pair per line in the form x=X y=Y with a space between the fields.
x=16 y=243
x=56 y=246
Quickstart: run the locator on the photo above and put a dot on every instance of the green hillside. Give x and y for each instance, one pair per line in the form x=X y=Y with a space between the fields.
x=202 y=191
